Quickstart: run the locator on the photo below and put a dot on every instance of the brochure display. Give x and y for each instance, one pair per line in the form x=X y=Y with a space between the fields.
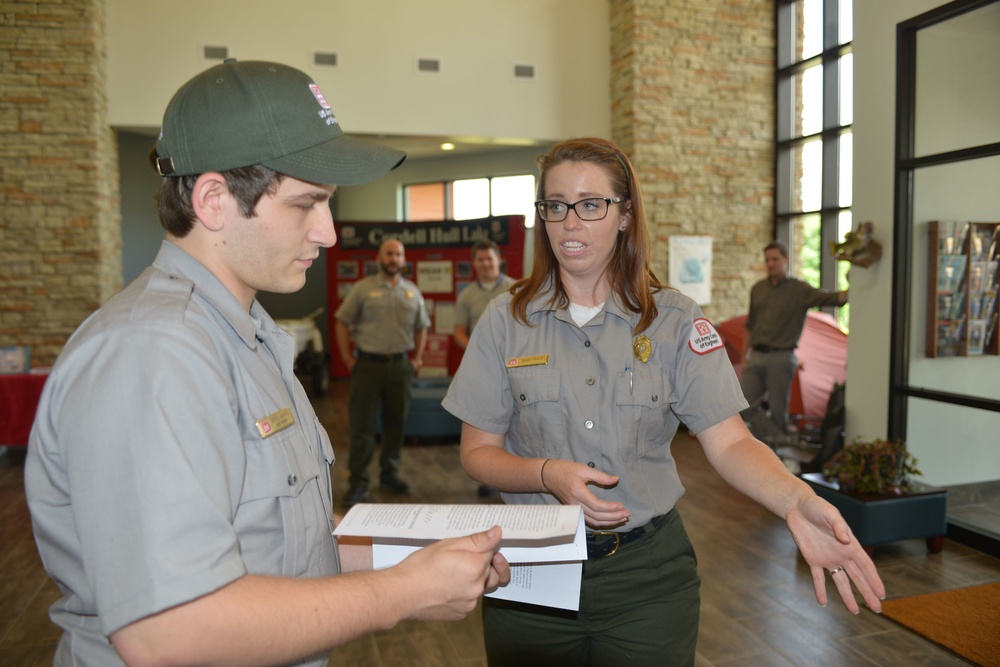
x=544 y=544
x=963 y=272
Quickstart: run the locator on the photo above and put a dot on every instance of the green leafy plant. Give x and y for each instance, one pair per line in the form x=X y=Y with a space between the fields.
x=873 y=467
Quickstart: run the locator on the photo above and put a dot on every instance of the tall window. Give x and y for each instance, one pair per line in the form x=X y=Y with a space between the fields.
x=815 y=108
x=472 y=198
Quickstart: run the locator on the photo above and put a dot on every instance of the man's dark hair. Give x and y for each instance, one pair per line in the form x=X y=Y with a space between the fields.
x=173 y=198
x=777 y=245
x=485 y=244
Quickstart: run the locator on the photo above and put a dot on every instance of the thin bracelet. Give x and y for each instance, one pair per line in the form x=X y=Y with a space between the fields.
x=542 y=474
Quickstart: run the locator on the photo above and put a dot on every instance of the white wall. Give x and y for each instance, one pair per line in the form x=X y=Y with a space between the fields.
x=155 y=47
x=953 y=445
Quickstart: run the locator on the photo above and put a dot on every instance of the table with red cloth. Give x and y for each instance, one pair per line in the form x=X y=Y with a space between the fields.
x=19 y=394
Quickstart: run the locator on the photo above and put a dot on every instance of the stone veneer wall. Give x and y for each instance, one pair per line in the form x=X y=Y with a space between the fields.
x=692 y=87
x=60 y=220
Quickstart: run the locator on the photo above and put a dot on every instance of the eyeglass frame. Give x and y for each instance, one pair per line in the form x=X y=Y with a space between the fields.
x=572 y=207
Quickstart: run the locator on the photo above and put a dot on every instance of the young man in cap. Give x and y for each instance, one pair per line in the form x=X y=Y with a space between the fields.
x=177 y=476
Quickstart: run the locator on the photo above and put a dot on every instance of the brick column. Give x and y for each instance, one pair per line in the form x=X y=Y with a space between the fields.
x=693 y=106
x=60 y=226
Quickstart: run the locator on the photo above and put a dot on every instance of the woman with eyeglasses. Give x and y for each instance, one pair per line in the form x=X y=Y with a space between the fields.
x=571 y=390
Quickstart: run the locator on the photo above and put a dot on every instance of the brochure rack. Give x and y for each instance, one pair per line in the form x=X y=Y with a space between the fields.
x=963 y=273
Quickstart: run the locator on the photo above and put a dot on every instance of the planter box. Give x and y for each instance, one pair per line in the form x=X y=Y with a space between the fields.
x=878 y=520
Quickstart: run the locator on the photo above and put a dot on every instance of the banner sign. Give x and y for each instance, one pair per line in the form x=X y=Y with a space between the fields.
x=464 y=233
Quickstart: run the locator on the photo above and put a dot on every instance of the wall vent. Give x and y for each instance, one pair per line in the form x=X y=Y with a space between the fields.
x=214 y=52
x=325 y=59
x=429 y=65
x=524 y=71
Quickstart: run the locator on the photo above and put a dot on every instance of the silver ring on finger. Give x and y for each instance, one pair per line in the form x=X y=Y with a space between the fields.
x=839 y=568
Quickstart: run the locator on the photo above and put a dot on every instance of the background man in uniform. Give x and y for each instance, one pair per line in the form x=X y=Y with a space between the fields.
x=177 y=477
x=778 y=306
x=489 y=283
x=386 y=314
x=473 y=299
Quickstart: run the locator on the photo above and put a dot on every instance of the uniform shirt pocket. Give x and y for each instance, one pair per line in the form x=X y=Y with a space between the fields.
x=282 y=521
x=538 y=426
x=641 y=411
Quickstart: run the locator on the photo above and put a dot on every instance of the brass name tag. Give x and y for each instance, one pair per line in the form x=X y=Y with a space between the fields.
x=537 y=360
x=279 y=421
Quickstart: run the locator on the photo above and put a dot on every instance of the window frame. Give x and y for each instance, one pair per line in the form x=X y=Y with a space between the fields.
x=787 y=68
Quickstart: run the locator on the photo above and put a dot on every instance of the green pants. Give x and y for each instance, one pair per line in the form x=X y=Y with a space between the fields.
x=637 y=607
x=375 y=385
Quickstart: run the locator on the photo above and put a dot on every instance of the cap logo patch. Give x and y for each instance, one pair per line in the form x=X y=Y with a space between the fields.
x=318 y=94
x=326 y=113
x=704 y=337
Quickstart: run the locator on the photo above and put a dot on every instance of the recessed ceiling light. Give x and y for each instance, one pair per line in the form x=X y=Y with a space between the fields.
x=447 y=146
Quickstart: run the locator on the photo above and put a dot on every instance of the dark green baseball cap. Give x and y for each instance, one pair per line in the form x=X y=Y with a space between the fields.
x=240 y=114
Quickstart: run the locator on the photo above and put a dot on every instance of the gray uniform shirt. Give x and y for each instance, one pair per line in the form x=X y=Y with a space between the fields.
x=778 y=312
x=582 y=404
x=472 y=301
x=149 y=480
x=384 y=317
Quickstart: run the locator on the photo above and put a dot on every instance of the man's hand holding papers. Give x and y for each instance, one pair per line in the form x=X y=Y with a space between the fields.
x=545 y=544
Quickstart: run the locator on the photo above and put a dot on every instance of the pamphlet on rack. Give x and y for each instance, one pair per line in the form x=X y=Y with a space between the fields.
x=545 y=544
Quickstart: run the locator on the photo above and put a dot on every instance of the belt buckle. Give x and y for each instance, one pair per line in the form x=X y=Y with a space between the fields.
x=618 y=540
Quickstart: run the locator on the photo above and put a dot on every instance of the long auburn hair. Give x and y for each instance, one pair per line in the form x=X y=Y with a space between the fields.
x=628 y=271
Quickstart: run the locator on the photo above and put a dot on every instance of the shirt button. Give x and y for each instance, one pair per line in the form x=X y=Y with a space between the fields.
x=522 y=397
x=586 y=344
x=589 y=424
x=590 y=463
x=590 y=381
x=655 y=398
x=292 y=479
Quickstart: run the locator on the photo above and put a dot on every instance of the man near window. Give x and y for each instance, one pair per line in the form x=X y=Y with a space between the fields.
x=778 y=306
x=387 y=315
x=472 y=301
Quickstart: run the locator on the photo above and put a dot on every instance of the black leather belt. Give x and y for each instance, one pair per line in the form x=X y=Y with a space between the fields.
x=604 y=543
x=768 y=348
x=384 y=358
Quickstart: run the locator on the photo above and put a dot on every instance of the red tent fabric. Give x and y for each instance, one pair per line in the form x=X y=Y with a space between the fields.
x=822 y=354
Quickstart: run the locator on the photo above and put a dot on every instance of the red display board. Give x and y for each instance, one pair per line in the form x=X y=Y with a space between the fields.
x=438 y=260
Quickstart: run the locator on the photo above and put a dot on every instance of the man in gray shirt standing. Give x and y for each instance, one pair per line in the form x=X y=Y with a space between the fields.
x=778 y=306
x=177 y=475
x=386 y=314
x=472 y=301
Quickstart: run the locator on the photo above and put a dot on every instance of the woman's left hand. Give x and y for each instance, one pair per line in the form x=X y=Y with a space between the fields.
x=828 y=545
x=570 y=482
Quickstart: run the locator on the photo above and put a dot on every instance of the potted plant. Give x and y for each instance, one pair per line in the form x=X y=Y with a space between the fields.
x=872 y=468
x=871 y=483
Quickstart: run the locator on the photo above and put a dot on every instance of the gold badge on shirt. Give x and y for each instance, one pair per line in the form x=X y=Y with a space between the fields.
x=642 y=347
x=409 y=294
x=279 y=421
x=537 y=360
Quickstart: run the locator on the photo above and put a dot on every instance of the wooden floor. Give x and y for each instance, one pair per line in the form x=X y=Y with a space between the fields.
x=758 y=606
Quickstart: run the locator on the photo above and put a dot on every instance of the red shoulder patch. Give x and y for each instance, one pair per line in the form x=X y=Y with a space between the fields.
x=704 y=337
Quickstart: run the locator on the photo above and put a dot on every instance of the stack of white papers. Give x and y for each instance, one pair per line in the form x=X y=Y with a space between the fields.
x=545 y=544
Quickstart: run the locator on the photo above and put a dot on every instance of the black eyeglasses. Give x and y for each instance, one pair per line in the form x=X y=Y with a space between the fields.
x=595 y=208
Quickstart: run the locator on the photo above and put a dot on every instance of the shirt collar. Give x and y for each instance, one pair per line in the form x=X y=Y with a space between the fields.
x=543 y=303
x=174 y=260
